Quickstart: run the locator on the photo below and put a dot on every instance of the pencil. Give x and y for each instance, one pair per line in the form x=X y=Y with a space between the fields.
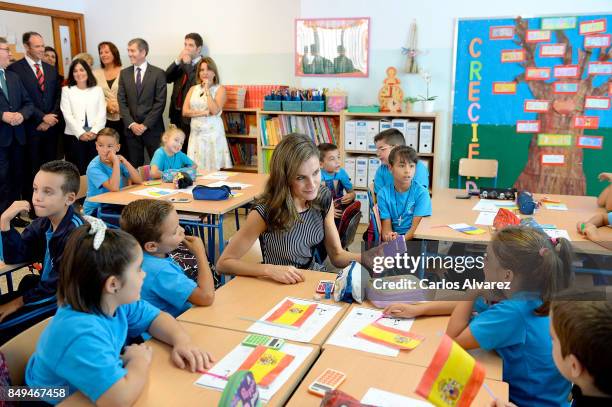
x=216 y=375
x=270 y=323
x=488 y=389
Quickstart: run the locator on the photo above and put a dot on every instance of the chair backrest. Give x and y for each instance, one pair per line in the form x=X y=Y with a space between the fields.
x=474 y=167
x=348 y=215
x=351 y=230
x=82 y=188
x=18 y=350
x=145 y=172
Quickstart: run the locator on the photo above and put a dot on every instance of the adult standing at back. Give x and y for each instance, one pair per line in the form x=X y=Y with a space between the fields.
x=182 y=73
x=43 y=86
x=108 y=79
x=203 y=104
x=142 y=99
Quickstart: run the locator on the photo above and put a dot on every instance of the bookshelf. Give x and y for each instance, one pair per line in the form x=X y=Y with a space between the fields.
x=320 y=126
x=365 y=149
x=241 y=131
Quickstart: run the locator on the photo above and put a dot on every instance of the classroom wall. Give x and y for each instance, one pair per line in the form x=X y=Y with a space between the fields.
x=13 y=25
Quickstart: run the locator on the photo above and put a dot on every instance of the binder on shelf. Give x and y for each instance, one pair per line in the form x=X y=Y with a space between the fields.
x=400 y=124
x=361 y=135
x=426 y=137
x=361 y=172
x=384 y=125
x=373 y=127
x=362 y=196
x=373 y=164
x=349 y=134
x=349 y=167
x=412 y=135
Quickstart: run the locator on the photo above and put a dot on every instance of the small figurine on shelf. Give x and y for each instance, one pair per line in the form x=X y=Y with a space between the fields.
x=391 y=94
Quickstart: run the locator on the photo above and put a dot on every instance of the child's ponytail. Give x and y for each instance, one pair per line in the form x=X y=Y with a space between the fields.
x=557 y=265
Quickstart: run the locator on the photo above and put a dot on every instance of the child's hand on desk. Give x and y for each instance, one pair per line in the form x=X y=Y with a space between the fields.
x=195 y=245
x=197 y=360
x=284 y=274
x=387 y=237
x=138 y=352
x=404 y=310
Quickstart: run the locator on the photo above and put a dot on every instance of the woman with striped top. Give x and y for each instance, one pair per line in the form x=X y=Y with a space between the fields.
x=292 y=217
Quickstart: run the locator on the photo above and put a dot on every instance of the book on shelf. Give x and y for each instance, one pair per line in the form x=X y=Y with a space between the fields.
x=243 y=153
x=238 y=122
x=320 y=129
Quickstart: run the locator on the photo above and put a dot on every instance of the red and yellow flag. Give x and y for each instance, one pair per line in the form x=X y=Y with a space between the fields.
x=292 y=314
x=266 y=364
x=453 y=378
x=386 y=335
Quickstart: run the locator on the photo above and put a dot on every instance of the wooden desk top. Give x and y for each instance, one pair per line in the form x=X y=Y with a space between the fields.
x=252 y=297
x=432 y=329
x=446 y=209
x=364 y=372
x=258 y=182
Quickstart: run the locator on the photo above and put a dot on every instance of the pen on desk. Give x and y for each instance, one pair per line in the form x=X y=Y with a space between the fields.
x=216 y=375
x=269 y=323
x=488 y=389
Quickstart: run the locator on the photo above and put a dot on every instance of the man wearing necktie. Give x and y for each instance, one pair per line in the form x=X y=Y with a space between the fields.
x=142 y=100
x=43 y=87
x=15 y=108
x=182 y=73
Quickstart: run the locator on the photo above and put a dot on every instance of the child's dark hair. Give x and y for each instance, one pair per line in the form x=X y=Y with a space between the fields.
x=84 y=270
x=393 y=137
x=107 y=131
x=544 y=265
x=584 y=329
x=72 y=178
x=143 y=218
x=403 y=154
x=324 y=148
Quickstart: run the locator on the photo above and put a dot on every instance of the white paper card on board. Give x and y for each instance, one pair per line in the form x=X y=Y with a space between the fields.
x=382 y=398
x=553 y=159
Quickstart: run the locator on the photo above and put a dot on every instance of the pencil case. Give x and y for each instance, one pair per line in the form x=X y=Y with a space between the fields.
x=204 y=193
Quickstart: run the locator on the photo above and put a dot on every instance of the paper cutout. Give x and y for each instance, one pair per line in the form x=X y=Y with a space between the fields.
x=512 y=55
x=558 y=23
x=292 y=314
x=504 y=88
x=537 y=36
x=388 y=336
x=555 y=206
x=597 y=41
x=592 y=26
x=565 y=87
x=586 y=122
x=537 y=74
x=453 y=378
x=561 y=140
x=552 y=50
x=594 y=142
x=566 y=71
x=552 y=159
x=467 y=229
x=600 y=68
x=536 y=106
x=266 y=364
x=501 y=32
x=527 y=126
x=595 y=102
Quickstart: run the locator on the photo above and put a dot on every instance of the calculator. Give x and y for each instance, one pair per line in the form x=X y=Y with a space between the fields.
x=329 y=380
x=321 y=286
x=255 y=340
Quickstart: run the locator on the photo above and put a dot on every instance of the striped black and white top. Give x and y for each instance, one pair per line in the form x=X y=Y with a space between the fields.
x=296 y=246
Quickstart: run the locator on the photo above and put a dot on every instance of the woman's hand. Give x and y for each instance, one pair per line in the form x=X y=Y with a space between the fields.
x=284 y=274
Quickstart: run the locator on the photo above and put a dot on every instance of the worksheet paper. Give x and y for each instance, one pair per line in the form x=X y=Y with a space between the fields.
x=230 y=184
x=154 y=192
x=357 y=319
x=233 y=360
x=309 y=329
x=381 y=398
x=485 y=218
x=219 y=175
x=493 y=205
x=557 y=233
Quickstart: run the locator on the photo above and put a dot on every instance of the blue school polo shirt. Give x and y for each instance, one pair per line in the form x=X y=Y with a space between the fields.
x=384 y=176
x=175 y=162
x=344 y=182
x=610 y=219
x=97 y=174
x=81 y=350
x=166 y=286
x=522 y=339
x=405 y=205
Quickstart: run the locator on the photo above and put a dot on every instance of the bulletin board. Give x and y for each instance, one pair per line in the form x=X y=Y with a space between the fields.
x=535 y=94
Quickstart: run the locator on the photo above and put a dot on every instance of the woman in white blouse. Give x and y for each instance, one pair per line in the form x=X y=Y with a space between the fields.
x=84 y=110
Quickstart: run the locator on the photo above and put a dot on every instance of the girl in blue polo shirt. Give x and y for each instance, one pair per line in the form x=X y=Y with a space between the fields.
x=99 y=296
x=169 y=156
x=517 y=326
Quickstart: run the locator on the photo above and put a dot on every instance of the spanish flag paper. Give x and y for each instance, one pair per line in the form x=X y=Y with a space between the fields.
x=292 y=314
x=453 y=378
x=266 y=364
x=391 y=337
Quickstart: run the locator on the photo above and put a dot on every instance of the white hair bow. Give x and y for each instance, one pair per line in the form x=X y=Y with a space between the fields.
x=98 y=228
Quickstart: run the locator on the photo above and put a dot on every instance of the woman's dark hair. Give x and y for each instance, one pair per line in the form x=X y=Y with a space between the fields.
x=84 y=271
x=113 y=50
x=51 y=49
x=91 y=79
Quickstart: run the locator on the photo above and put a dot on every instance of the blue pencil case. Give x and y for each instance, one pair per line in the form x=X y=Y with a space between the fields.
x=204 y=193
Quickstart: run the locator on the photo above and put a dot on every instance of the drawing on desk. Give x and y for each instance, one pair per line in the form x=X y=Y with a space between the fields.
x=319 y=317
x=357 y=319
x=266 y=364
x=493 y=205
x=292 y=314
x=236 y=358
x=381 y=398
x=467 y=229
x=395 y=338
x=154 y=192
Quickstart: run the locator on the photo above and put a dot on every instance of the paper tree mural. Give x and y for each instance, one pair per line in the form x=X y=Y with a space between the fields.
x=565 y=100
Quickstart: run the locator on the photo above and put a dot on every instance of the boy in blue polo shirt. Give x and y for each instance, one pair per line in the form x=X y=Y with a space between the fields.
x=335 y=178
x=108 y=171
x=155 y=224
x=385 y=141
x=169 y=156
x=403 y=203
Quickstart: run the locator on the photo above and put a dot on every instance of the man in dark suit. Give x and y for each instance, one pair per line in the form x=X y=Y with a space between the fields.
x=182 y=72
x=142 y=100
x=15 y=108
x=43 y=87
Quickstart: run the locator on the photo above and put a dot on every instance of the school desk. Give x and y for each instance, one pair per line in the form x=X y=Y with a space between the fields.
x=432 y=329
x=363 y=372
x=446 y=209
x=250 y=297
x=215 y=210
